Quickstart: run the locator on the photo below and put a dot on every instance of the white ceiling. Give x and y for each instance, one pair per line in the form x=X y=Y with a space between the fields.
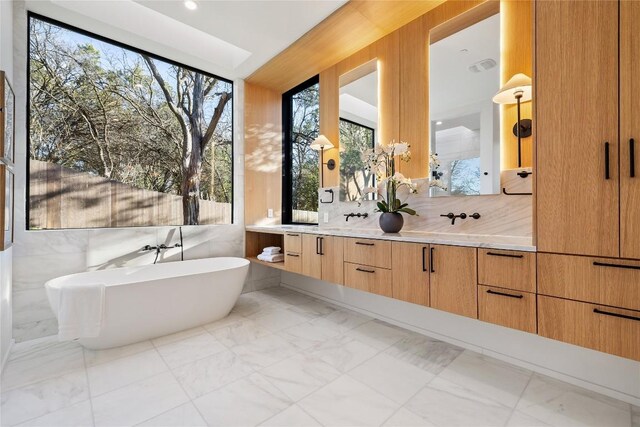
x=231 y=38
x=451 y=85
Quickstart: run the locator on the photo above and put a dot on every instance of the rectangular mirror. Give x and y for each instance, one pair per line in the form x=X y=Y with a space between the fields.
x=358 y=129
x=464 y=75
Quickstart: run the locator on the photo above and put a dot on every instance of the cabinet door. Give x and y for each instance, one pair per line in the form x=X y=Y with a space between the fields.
x=576 y=102
x=629 y=130
x=311 y=258
x=410 y=265
x=454 y=280
x=332 y=250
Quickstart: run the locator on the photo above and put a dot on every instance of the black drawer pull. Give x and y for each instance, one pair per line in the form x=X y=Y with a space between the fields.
x=318 y=246
x=622 y=316
x=431 y=266
x=489 y=291
x=606 y=160
x=293 y=235
x=424 y=258
x=365 y=244
x=604 y=264
x=505 y=255
x=364 y=270
x=293 y=255
x=321 y=245
x=632 y=158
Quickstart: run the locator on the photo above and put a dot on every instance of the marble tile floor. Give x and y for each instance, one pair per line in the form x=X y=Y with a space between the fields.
x=284 y=359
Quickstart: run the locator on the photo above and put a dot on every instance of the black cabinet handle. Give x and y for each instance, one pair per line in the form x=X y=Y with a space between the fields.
x=365 y=244
x=632 y=158
x=606 y=160
x=424 y=258
x=317 y=246
x=293 y=255
x=489 y=291
x=505 y=255
x=622 y=316
x=364 y=270
x=321 y=245
x=605 y=264
x=431 y=267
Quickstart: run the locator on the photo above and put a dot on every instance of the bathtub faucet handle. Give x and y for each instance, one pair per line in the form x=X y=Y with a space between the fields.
x=147 y=248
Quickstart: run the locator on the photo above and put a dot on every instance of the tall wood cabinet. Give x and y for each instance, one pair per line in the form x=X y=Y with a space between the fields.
x=587 y=63
x=576 y=97
x=629 y=130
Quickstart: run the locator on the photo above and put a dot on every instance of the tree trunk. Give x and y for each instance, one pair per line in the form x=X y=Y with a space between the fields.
x=192 y=156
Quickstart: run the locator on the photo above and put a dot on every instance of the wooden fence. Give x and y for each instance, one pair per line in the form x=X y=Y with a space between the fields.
x=63 y=198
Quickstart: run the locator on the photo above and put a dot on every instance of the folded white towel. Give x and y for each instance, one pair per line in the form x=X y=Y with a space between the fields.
x=80 y=311
x=271 y=250
x=271 y=257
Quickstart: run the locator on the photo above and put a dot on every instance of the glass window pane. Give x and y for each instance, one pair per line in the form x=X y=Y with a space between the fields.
x=121 y=138
x=305 y=174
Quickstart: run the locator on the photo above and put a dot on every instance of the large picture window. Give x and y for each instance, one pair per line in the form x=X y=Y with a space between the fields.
x=300 y=107
x=119 y=137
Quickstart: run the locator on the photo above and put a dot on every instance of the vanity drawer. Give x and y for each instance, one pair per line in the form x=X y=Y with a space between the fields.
x=509 y=308
x=613 y=282
x=376 y=253
x=507 y=269
x=611 y=330
x=369 y=279
x=293 y=242
x=293 y=262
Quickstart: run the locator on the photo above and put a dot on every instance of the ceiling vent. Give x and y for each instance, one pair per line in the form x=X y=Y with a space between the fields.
x=484 y=65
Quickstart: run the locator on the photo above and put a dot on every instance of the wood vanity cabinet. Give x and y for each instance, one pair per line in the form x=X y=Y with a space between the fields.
x=453 y=280
x=369 y=279
x=576 y=102
x=322 y=257
x=507 y=307
x=507 y=269
x=410 y=266
x=611 y=330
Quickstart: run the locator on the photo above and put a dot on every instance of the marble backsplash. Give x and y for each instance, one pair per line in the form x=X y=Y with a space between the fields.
x=501 y=214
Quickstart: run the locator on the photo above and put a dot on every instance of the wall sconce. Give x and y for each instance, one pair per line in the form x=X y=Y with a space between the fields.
x=516 y=91
x=322 y=143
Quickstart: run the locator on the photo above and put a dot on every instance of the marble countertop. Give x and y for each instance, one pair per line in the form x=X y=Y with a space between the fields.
x=516 y=243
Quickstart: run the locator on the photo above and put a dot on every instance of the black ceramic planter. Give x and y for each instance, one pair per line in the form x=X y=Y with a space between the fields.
x=391 y=222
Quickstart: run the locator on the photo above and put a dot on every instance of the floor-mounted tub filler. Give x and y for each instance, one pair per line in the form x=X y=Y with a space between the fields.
x=140 y=303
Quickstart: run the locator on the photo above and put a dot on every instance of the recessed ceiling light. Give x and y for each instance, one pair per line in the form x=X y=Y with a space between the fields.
x=190 y=4
x=438 y=123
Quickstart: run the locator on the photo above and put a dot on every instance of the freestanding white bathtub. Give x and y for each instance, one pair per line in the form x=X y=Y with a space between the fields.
x=155 y=300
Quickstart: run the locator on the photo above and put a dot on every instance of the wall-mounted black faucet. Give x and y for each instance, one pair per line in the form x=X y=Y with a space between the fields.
x=355 y=215
x=463 y=215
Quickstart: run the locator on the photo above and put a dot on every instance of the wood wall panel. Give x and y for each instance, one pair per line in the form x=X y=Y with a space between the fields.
x=329 y=114
x=263 y=154
x=414 y=96
x=349 y=29
x=517 y=57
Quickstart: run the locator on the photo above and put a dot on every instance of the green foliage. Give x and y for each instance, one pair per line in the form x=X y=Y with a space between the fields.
x=304 y=130
x=354 y=175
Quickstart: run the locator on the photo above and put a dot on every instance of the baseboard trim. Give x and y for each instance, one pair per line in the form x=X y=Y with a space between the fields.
x=314 y=288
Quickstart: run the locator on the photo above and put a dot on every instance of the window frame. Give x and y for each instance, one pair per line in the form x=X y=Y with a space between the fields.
x=104 y=39
x=287 y=162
